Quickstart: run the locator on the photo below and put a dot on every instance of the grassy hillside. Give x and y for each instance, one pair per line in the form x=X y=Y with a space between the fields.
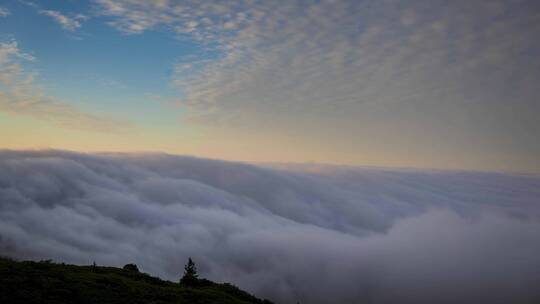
x=46 y=282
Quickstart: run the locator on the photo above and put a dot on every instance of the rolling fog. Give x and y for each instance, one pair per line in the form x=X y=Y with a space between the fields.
x=315 y=235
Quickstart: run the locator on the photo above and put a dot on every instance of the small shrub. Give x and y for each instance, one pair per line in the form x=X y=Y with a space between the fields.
x=131 y=267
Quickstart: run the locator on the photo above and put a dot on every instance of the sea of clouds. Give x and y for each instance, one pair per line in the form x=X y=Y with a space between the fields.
x=314 y=234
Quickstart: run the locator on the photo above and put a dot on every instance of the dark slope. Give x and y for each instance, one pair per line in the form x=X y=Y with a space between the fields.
x=46 y=282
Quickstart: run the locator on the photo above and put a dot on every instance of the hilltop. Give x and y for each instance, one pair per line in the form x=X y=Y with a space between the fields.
x=47 y=282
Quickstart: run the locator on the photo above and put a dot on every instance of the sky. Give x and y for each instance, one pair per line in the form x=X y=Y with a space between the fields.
x=422 y=84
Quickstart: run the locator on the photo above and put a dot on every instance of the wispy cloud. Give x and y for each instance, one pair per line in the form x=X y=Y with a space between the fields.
x=67 y=23
x=20 y=94
x=4 y=12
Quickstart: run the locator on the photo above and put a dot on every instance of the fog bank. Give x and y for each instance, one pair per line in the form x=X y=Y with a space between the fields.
x=331 y=235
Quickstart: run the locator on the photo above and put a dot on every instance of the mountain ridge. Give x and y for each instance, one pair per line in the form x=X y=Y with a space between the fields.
x=59 y=283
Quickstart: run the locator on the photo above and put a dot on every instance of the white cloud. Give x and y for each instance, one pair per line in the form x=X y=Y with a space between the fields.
x=67 y=23
x=11 y=49
x=343 y=235
x=20 y=94
x=4 y=12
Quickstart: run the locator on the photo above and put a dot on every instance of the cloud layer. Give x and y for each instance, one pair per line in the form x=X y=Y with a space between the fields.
x=312 y=234
x=458 y=76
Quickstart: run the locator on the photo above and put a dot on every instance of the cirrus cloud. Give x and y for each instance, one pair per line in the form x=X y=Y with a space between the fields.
x=67 y=23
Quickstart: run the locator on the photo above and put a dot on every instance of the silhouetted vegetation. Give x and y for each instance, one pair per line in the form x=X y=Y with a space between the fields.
x=190 y=278
x=131 y=267
x=48 y=282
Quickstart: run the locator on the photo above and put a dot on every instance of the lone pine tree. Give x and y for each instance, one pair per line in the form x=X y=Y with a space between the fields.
x=190 y=277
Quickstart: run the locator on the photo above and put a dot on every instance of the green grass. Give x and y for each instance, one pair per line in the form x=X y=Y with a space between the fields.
x=47 y=282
